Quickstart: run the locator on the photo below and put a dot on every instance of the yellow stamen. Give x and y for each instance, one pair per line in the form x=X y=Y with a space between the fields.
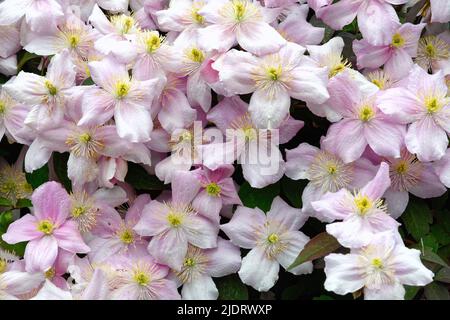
x=52 y=90
x=122 y=89
x=196 y=55
x=50 y=273
x=2 y=107
x=45 y=226
x=213 y=189
x=363 y=204
x=175 y=219
x=126 y=236
x=432 y=104
x=141 y=278
x=74 y=40
x=273 y=238
x=377 y=263
x=401 y=167
x=397 y=40
x=366 y=113
x=189 y=262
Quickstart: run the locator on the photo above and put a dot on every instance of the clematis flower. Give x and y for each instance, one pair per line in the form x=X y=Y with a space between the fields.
x=255 y=149
x=396 y=54
x=274 y=239
x=47 y=229
x=114 y=235
x=363 y=122
x=127 y=99
x=238 y=21
x=439 y=11
x=273 y=79
x=200 y=265
x=40 y=15
x=8 y=66
x=381 y=268
x=363 y=212
x=434 y=52
x=376 y=18
x=46 y=94
x=422 y=103
x=409 y=175
x=326 y=172
x=14 y=284
x=140 y=278
x=72 y=35
x=217 y=189
x=175 y=224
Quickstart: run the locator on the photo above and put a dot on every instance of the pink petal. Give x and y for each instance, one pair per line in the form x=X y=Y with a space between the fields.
x=69 y=238
x=23 y=229
x=259 y=38
x=51 y=201
x=40 y=254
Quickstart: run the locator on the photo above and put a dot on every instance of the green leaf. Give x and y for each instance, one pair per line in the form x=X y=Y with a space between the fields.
x=417 y=219
x=435 y=291
x=317 y=247
x=23 y=203
x=88 y=82
x=431 y=242
x=443 y=219
x=60 y=165
x=411 y=292
x=439 y=203
x=293 y=190
x=440 y=234
x=141 y=180
x=443 y=275
x=6 y=218
x=27 y=56
x=38 y=177
x=231 y=288
x=5 y=202
x=323 y=297
x=430 y=256
x=261 y=198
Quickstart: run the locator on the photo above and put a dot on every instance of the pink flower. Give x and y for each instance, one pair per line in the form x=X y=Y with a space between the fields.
x=396 y=54
x=376 y=18
x=326 y=172
x=440 y=11
x=381 y=268
x=127 y=99
x=200 y=265
x=363 y=122
x=273 y=79
x=14 y=284
x=11 y=43
x=47 y=229
x=274 y=239
x=422 y=103
x=115 y=236
x=217 y=189
x=175 y=224
x=362 y=212
x=238 y=21
x=46 y=94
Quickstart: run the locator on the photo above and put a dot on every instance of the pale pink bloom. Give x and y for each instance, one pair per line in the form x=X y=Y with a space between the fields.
x=115 y=236
x=118 y=95
x=273 y=238
x=440 y=11
x=46 y=94
x=329 y=55
x=422 y=103
x=217 y=189
x=255 y=149
x=40 y=15
x=72 y=35
x=242 y=22
x=200 y=265
x=14 y=284
x=409 y=175
x=8 y=66
x=395 y=54
x=326 y=172
x=434 y=52
x=294 y=21
x=117 y=34
x=442 y=168
x=175 y=224
x=10 y=40
x=47 y=229
x=273 y=79
x=12 y=117
x=376 y=18
x=363 y=122
x=381 y=268
x=363 y=212
x=141 y=278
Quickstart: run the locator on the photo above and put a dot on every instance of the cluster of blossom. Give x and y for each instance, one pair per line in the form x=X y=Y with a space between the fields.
x=135 y=81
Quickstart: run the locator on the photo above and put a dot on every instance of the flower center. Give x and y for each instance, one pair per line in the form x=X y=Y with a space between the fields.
x=402 y=167
x=85 y=138
x=273 y=238
x=50 y=273
x=74 y=40
x=52 y=90
x=274 y=73
x=196 y=16
x=332 y=169
x=363 y=204
x=153 y=42
x=175 y=219
x=45 y=226
x=78 y=211
x=126 y=236
x=397 y=40
x=3 y=265
x=189 y=262
x=196 y=55
x=336 y=69
x=122 y=89
x=213 y=189
x=239 y=10
x=377 y=263
x=141 y=278
x=432 y=104
x=2 y=107
x=366 y=113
